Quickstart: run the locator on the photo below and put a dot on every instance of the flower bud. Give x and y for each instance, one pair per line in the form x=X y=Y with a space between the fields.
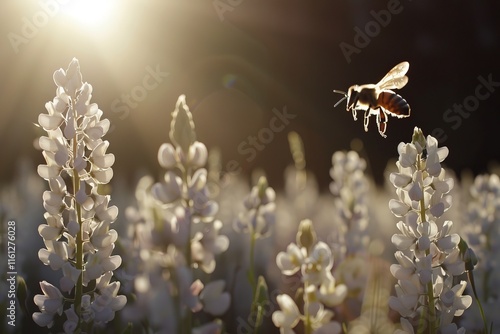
x=306 y=236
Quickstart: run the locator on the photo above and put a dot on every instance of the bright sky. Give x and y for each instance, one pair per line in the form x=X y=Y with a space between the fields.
x=92 y=13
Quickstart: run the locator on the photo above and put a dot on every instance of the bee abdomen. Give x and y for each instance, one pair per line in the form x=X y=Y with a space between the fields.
x=394 y=103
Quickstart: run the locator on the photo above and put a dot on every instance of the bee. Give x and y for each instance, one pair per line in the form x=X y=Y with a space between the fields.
x=378 y=99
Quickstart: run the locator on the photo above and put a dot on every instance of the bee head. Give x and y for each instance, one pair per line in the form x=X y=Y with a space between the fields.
x=352 y=96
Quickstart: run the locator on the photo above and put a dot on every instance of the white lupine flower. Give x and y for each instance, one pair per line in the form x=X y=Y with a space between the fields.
x=428 y=254
x=87 y=313
x=53 y=229
x=54 y=255
x=290 y=262
x=452 y=303
x=350 y=237
x=197 y=155
x=189 y=290
x=315 y=261
x=318 y=263
x=166 y=156
x=107 y=302
x=260 y=214
x=71 y=323
x=70 y=277
x=170 y=191
x=50 y=303
x=330 y=293
x=483 y=236
x=99 y=263
x=407 y=327
x=174 y=232
x=320 y=317
x=214 y=299
x=208 y=243
x=186 y=154
x=288 y=317
x=351 y=272
x=77 y=236
x=407 y=295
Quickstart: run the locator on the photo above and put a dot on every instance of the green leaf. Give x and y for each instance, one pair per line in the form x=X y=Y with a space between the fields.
x=259 y=301
x=22 y=294
x=261 y=292
x=467 y=254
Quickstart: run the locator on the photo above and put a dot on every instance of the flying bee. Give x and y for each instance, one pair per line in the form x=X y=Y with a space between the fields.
x=379 y=99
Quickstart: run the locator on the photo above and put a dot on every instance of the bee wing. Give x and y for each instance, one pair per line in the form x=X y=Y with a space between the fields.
x=395 y=78
x=396 y=83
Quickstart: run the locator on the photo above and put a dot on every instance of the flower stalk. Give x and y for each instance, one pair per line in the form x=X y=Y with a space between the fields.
x=184 y=195
x=77 y=235
x=428 y=255
x=314 y=260
x=257 y=221
x=482 y=234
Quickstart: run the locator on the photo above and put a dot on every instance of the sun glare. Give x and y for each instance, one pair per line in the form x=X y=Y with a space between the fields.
x=90 y=12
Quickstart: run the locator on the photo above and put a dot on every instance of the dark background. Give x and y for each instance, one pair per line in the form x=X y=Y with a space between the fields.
x=263 y=55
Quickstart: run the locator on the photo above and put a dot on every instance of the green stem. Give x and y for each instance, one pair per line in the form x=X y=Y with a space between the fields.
x=187 y=321
x=307 y=317
x=255 y=308
x=471 y=280
x=251 y=270
x=258 y=319
x=79 y=239
x=432 y=308
x=430 y=288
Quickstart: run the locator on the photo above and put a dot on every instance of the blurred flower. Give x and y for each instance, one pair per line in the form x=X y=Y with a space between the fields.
x=314 y=259
x=215 y=301
x=288 y=316
x=259 y=216
x=291 y=261
x=482 y=232
x=350 y=188
x=174 y=232
x=206 y=244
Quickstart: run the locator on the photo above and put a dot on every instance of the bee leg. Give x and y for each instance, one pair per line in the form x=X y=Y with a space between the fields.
x=354 y=114
x=354 y=107
x=367 y=118
x=382 y=122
